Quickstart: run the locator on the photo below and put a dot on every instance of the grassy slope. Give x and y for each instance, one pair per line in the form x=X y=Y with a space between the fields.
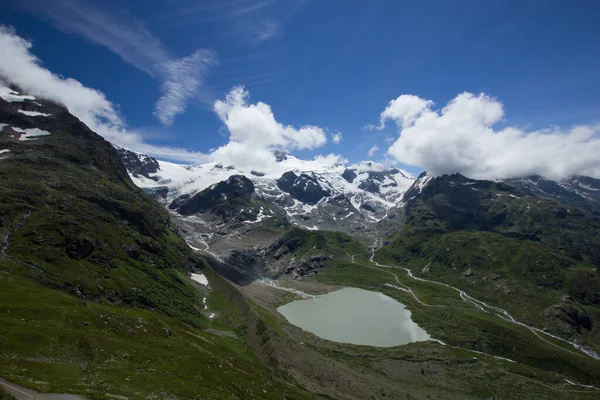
x=448 y=318
x=87 y=254
x=515 y=251
x=336 y=244
x=52 y=342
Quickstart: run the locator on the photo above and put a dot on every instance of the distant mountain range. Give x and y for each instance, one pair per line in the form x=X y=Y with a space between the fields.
x=317 y=194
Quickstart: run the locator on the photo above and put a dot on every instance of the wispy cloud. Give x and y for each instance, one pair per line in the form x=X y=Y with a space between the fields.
x=123 y=34
x=337 y=137
x=268 y=30
x=183 y=78
x=250 y=8
x=246 y=21
x=373 y=150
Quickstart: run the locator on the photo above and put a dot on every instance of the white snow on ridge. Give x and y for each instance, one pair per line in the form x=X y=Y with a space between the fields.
x=30 y=134
x=188 y=180
x=4 y=151
x=423 y=182
x=586 y=187
x=11 y=96
x=2 y=126
x=34 y=113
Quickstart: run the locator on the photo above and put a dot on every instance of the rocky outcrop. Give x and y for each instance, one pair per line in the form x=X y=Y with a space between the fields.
x=349 y=175
x=139 y=165
x=304 y=187
x=308 y=267
x=567 y=318
x=280 y=155
x=226 y=199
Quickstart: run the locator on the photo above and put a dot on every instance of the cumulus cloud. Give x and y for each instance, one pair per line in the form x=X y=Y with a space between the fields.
x=181 y=78
x=254 y=132
x=462 y=137
x=337 y=137
x=373 y=150
x=19 y=66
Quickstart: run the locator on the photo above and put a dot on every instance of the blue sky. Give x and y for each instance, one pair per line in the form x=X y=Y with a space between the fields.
x=331 y=64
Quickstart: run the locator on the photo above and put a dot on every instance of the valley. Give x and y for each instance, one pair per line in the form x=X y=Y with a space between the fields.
x=123 y=276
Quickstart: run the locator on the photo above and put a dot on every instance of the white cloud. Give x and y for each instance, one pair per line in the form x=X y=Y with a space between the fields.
x=266 y=31
x=461 y=137
x=181 y=79
x=19 y=66
x=254 y=131
x=373 y=150
x=337 y=137
x=404 y=110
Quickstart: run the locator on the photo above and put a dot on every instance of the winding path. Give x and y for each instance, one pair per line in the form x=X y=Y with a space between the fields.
x=478 y=304
x=483 y=306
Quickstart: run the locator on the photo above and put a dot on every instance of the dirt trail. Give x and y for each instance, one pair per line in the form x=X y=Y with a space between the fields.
x=482 y=306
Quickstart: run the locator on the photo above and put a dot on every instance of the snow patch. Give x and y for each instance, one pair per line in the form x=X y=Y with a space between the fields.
x=421 y=183
x=33 y=113
x=586 y=187
x=12 y=97
x=30 y=134
x=261 y=216
x=200 y=278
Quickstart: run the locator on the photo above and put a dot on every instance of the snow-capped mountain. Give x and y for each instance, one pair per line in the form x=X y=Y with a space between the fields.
x=577 y=189
x=322 y=193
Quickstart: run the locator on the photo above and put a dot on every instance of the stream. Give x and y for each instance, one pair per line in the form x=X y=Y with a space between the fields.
x=483 y=306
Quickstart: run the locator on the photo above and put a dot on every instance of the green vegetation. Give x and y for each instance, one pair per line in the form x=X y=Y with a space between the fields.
x=508 y=249
x=336 y=244
x=446 y=317
x=51 y=342
x=94 y=294
x=5 y=396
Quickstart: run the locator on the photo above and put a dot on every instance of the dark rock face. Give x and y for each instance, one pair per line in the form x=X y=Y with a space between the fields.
x=369 y=185
x=280 y=155
x=304 y=188
x=286 y=182
x=568 y=318
x=79 y=249
x=224 y=199
x=349 y=175
x=368 y=207
x=284 y=246
x=309 y=267
x=139 y=164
